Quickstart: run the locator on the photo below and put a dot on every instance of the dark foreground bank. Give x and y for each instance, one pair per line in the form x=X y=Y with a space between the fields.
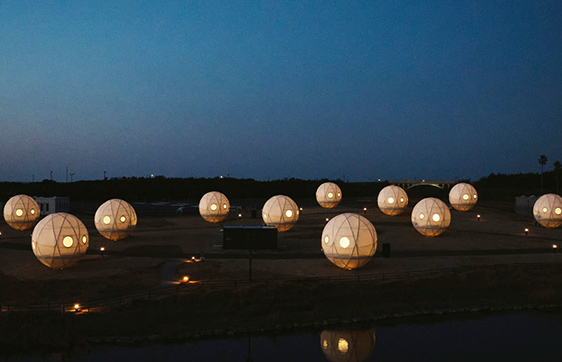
x=208 y=312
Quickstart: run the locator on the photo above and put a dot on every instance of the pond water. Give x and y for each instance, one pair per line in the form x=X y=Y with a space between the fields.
x=511 y=337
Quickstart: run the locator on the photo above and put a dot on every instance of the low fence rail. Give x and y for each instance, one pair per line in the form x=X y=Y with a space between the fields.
x=181 y=288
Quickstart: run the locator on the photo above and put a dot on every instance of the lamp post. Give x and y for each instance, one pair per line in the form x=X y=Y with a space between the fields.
x=251 y=237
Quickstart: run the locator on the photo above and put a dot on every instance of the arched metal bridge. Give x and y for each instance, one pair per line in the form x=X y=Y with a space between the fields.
x=408 y=184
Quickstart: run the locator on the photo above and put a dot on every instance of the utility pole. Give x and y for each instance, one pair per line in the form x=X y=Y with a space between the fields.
x=71 y=174
x=51 y=175
x=251 y=237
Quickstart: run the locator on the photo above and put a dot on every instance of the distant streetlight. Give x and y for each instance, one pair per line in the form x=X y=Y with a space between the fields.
x=185 y=279
x=364 y=210
x=526 y=231
x=102 y=251
x=478 y=217
x=77 y=307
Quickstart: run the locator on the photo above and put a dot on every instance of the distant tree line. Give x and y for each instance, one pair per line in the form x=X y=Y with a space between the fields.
x=505 y=187
x=159 y=188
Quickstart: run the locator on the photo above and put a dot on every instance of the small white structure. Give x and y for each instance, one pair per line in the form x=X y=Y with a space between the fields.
x=214 y=206
x=280 y=211
x=431 y=216
x=59 y=240
x=115 y=219
x=328 y=195
x=548 y=211
x=463 y=196
x=21 y=212
x=524 y=204
x=392 y=200
x=349 y=241
x=50 y=205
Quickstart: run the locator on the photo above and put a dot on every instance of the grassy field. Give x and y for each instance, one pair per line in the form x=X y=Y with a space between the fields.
x=528 y=272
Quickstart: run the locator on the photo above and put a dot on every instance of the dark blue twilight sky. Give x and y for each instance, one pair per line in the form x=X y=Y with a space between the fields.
x=273 y=89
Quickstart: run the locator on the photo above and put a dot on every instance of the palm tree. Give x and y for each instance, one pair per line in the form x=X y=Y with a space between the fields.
x=557 y=169
x=542 y=161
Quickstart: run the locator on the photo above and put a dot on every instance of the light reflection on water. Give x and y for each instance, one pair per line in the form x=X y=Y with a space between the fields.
x=513 y=337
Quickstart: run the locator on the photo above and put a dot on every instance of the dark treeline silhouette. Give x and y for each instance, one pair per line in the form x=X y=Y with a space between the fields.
x=160 y=188
x=493 y=187
x=505 y=187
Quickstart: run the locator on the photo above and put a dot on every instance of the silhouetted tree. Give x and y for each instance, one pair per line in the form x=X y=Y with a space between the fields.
x=557 y=169
x=542 y=161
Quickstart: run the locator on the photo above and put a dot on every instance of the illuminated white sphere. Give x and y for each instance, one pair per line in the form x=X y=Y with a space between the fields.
x=115 y=219
x=280 y=211
x=548 y=210
x=59 y=240
x=349 y=241
x=214 y=206
x=21 y=212
x=392 y=200
x=328 y=195
x=348 y=345
x=431 y=216
x=463 y=196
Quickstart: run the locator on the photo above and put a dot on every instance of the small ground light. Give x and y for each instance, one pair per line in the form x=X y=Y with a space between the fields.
x=554 y=246
x=185 y=279
x=77 y=307
x=239 y=216
x=102 y=251
x=364 y=210
x=327 y=219
x=478 y=217
x=526 y=231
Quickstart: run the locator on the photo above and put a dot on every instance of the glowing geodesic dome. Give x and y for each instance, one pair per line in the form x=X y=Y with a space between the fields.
x=463 y=196
x=548 y=210
x=392 y=200
x=214 y=206
x=59 y=240
x=280 y=211
x=431 y=216
x=348 y=345
x=328 y=195
x=349 y=241
x=115 y=219
x=21 y=212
